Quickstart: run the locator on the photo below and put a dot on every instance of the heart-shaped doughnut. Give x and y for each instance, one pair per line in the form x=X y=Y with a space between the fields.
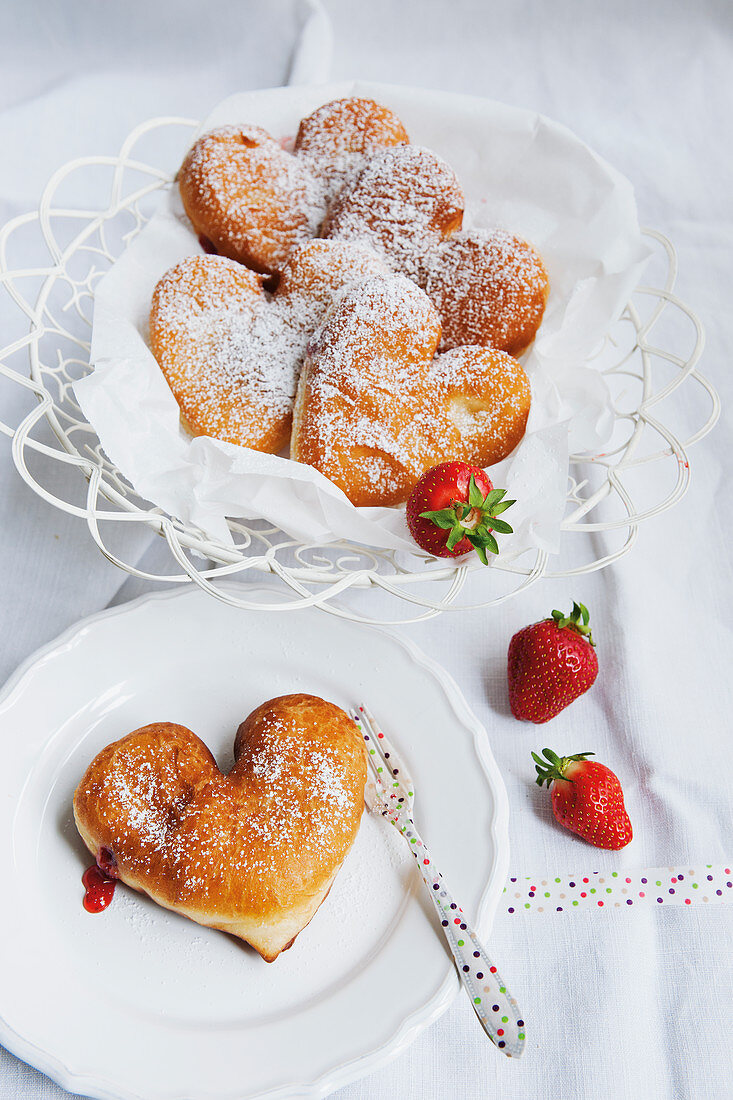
x=404 y=202
x=213 y=337
x=338 y=135
x=250 y=198
x=318 y=272
x=354 y=176
x=375 y=410
x=350 y=125
x=489 y=287
x=255 y=202
x=231 y=353
x=253 y=852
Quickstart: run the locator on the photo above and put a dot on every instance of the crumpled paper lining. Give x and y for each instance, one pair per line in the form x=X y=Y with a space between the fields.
x=518 y=170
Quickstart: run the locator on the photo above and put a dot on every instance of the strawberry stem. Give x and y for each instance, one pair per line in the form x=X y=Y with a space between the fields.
x=470 y=520
x=554 y=767
x=577 y=620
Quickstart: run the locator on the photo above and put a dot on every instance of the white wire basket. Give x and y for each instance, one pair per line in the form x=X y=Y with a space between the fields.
x=50 y=262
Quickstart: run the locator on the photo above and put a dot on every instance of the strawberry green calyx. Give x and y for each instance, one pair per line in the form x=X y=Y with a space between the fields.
x=470 y=520
x=577 y=620
x=554 y=766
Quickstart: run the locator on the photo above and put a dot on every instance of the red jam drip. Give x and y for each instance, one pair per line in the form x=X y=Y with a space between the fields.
x=99 y=889
x=99 y=882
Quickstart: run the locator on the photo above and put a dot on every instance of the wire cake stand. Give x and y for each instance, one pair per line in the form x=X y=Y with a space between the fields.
x=50 y=263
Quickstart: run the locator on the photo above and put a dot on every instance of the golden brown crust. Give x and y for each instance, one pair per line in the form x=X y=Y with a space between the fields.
x=489 y=287
x=403 y=202
x=354 y=413
x=374 y=410
x=481 y=399
x=249 y=197
x=319 y=270
x=230 y=354
x=350 y=125
x=253 y=852
x=202 y=319
x=255 y=202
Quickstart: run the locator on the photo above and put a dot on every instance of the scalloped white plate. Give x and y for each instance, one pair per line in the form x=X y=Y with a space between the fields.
x=138 y=1002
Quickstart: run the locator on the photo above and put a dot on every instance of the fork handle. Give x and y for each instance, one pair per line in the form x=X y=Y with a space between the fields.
x=497 y=1010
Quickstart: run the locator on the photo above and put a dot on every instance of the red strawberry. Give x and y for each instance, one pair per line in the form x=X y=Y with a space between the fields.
x=586 y=798
x=550 y=664
x=449 y=509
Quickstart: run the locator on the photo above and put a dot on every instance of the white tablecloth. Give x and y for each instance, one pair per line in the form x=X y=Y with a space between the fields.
x=631 y=1003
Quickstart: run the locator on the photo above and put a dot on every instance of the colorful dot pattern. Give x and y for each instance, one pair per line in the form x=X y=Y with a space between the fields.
x=711 y=884
x=497 y=1010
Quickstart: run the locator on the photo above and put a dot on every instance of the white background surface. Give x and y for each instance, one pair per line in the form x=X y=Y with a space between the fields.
x=631 y=1004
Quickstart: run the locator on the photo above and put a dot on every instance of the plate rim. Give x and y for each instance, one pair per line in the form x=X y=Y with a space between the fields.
x=87 y=1083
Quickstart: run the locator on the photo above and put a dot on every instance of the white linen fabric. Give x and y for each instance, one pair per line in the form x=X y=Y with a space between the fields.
x=631 y=1003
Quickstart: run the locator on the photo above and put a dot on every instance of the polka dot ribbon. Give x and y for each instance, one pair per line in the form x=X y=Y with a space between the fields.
x=711 y=884
x=497 y=1010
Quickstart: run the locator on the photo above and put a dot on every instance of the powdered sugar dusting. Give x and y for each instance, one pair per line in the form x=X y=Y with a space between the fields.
x=403 y=202
x=137 y=786
x=249 y=196
x=356 y=415
x=489 y=287
x=338 y=137
x=480 y=401
x=375 y=409
x=231 y=352
x=354 y=419
x=230 y=355
x=287 y=811
x=318 y=273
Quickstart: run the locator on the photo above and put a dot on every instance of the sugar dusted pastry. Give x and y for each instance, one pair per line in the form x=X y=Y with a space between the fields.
x=404 y=202
x=375 y=409
x=480 y=398
x=250 y=198
x=489 y=287
x=229 y=360
x=350 y=125
x=354 y=413
x=346 y=327
x=253 y=852
x=254 y=201
x=318 y=271
x=338 y=135
x=231 y=353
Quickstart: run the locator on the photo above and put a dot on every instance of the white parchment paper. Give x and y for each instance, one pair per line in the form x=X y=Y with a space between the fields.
x=518 y=170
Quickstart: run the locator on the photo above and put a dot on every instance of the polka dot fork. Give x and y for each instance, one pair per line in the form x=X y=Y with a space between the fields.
x=391 y=792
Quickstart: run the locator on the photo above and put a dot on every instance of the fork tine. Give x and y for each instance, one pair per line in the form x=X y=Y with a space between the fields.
x=374 y=755
x=372 y=736
x=398 y=773
x=372 y=791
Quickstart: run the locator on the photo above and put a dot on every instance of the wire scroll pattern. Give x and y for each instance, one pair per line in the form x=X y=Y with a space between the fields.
x=53 y=295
